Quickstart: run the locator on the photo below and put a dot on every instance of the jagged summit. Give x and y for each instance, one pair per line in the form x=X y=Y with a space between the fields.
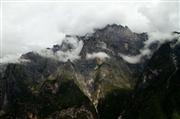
x=109 y=27
x=114 y=39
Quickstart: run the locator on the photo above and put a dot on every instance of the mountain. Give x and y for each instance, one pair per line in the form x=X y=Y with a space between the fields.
x=157 y=93
x=86 y=77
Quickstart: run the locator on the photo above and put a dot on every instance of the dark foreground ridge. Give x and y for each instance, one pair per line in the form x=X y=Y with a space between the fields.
x=95 y=88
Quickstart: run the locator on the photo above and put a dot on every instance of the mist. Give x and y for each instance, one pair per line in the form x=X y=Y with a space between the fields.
x=35 y=26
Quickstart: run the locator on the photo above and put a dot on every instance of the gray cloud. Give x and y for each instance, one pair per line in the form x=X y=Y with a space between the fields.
x=34 y=26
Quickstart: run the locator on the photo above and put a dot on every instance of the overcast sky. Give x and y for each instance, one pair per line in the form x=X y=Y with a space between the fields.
x=35 y=25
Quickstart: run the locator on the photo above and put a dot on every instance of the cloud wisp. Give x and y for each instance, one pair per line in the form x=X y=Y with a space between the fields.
x=154 y=37
x=100 y=55
x=70 y=50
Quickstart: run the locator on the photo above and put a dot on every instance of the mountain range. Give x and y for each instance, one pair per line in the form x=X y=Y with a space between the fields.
x=92 y=77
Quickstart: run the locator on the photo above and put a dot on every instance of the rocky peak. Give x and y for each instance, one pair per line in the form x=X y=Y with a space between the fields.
x=114 y=39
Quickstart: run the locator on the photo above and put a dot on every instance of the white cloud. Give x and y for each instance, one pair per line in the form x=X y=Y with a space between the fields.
x=131 y=59
x=161 y=37
x=154 y=37
x=69 y=54
x=100 y=55
x=163 y=17
x=9 y=59
x=12 y=59
x=34 y=26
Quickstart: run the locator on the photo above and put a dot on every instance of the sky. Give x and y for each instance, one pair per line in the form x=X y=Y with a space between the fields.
x=31 y=26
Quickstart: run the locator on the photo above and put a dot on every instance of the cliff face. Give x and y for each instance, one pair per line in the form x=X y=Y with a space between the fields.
x=96 y=84
x=157 y=92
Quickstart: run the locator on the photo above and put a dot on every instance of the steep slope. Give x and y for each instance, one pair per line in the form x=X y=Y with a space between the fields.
x=157 y=93
x=48 y=97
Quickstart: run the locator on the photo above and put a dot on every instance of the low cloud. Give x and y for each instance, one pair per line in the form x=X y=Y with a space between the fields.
x=154 y=37
x=100 y=55
x=10 y=59
x=131 y=59
x=65 y=53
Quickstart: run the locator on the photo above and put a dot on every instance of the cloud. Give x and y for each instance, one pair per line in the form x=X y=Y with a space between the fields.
x=65 y=53
x=161 y=37
x=154 y=37
x=163 y=17
x=131 y=59
x=33 y=26
x=100 y=55
x=12 y=59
